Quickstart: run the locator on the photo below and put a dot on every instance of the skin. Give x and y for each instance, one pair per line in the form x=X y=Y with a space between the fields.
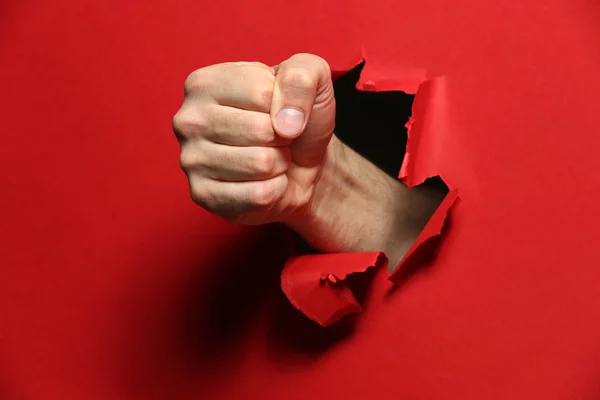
x=250 y=162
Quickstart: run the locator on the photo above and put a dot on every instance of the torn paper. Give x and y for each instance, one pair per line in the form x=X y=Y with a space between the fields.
x=426 y=129
x=419 y=250
x=314 y=284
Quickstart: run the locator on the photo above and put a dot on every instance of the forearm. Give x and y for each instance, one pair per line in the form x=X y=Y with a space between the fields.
x=357 y=207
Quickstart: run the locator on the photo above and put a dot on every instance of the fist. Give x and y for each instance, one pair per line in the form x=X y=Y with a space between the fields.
x=255 y=138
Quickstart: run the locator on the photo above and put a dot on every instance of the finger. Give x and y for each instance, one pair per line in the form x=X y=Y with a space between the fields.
x=235 y=127
x=235 y=198
x=301 y=82
x=248 y=86
x=234 y=164
x=225 y=125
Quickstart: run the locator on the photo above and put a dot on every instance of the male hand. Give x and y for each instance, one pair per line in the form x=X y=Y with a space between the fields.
x=254 y=138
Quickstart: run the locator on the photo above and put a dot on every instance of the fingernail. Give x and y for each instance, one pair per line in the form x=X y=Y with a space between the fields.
x=290 y=121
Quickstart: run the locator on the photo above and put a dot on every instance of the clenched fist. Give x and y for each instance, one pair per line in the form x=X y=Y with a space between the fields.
x=254 y=138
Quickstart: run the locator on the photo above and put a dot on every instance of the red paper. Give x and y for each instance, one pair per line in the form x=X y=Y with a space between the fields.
x=427 y=132
x=113 y=285
x=315 y=283
x=380 y=78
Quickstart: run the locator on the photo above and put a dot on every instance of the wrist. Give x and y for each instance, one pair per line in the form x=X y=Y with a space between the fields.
x=356 y=207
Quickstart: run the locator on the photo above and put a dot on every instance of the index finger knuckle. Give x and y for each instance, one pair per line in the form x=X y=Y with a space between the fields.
x=196 y=82
x=263 y=195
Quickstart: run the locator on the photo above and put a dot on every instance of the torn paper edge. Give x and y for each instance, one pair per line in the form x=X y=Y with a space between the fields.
x=421 y=126
x=410 y=80
x=375 y=78
x=432 y=229
x=380 y=78
x=379 y=260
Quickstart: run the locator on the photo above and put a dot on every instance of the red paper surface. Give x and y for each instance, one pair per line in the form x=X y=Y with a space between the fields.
x=428 y=129
x=315 y=283
x=113 y=285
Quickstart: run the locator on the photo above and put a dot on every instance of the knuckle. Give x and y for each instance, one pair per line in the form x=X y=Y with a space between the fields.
x=264 y=96
x=200 y=196
x=263 y=130
x=197 y=81
x=187 y=124
x=261 y=92
x=263 y=161
x=190 y=158
x=180 y=124
x=197 y=197
x=203 y=196
x=263 y=194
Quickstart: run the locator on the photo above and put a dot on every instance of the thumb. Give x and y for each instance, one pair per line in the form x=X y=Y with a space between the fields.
x=303 y=104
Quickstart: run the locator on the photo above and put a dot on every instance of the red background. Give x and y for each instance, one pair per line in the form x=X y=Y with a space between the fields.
x=114 y=285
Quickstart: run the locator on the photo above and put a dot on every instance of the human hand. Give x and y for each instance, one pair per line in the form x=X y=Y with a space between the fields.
x=254 y=138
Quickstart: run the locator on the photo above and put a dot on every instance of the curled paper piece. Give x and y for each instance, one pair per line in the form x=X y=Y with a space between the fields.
x=315 y=285
x=376 y=77
x=423 y=246
x=427 y=134
x=383 y=79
